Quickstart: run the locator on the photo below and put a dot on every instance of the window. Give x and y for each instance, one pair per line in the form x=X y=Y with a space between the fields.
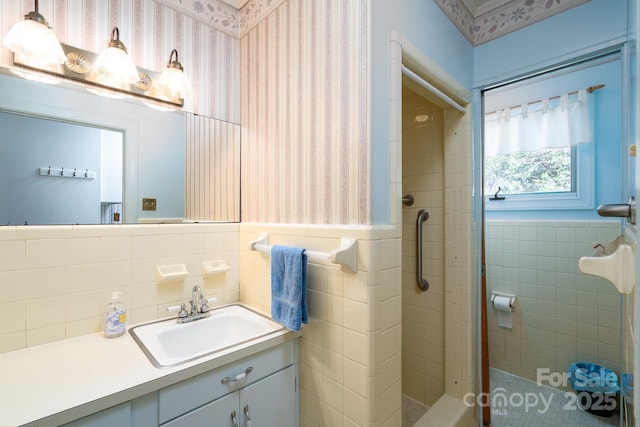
x=539 y=139
x=552 y=170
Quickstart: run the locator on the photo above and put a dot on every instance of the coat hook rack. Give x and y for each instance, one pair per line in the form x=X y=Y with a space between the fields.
x=66 y=173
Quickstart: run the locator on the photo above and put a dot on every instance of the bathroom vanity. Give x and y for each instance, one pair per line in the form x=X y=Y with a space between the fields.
x=93 y=381
x=261 y=388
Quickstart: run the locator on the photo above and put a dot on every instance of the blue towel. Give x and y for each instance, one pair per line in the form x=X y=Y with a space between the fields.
x=289 y=286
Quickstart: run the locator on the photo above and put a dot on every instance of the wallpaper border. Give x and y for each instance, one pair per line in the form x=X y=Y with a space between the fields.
x=215 y=13
x=502 y=20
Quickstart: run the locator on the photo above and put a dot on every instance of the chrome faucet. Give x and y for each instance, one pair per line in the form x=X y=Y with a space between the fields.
x=199 y=307
x=196 y=296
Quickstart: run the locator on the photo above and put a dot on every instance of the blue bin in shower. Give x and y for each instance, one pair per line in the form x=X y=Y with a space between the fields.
x=596 y=388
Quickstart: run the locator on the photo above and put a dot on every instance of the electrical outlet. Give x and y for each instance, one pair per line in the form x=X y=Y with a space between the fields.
x=148 y=204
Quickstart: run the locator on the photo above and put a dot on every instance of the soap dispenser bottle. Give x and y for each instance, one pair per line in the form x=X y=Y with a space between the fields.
x=115 y=317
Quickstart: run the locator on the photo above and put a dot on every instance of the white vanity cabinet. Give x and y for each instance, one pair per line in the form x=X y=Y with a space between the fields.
x=268 y=402
x=222 y=412
x=264 y=383
x=271 y=402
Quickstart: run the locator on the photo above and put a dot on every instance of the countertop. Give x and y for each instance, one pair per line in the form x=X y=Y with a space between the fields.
x=58 y=382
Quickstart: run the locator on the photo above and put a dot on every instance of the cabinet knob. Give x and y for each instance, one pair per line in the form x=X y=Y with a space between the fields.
x=234 y=419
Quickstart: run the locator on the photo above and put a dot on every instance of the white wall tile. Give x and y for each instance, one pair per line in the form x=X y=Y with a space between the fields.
x=562 y=315
x=12 y=317
x=12 y=286
x=45 y=253
x=45 y=282
x=83 y=251
x=67 y=282
x=144 y=247
x=82 y=277
x=117 y=248
x=12 y=255
x=84 y=305
x=42 y=312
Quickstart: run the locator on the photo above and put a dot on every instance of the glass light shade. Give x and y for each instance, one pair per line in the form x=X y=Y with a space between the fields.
x=114 y=68
x=172 y=83
x=34 y=44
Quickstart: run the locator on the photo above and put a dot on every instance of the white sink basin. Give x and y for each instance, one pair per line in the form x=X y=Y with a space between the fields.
x=167 y=343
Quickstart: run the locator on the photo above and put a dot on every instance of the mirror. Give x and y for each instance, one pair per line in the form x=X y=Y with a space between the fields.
x=66 y=124
x=87 y=191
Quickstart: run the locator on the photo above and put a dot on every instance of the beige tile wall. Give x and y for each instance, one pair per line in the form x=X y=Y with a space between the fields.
x=561 y=315
x=55 y=281
x=459 y=259
x=350 y=350
x=423 y=362
x=458 y=235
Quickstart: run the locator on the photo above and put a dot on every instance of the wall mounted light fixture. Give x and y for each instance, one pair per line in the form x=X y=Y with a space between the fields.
x=112 y=70
x=172 y=82
x=114 y=67
x=33 y=43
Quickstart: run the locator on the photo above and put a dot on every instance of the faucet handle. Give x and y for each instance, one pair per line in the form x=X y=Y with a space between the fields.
x=204 y=307
x=183 y=310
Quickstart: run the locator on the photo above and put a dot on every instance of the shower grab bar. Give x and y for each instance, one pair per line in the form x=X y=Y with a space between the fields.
x=423 y=216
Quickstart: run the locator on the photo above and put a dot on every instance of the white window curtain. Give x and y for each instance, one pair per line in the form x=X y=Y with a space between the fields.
x=548 y=123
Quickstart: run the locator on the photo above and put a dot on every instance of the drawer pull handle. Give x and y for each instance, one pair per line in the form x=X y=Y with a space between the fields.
x=234 y=420
x=238 y=377
x=247 y=416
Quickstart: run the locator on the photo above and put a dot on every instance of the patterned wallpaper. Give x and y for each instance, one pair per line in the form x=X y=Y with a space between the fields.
x=505 y=19
x=150 y=30
x=304 y=114
x=213 y=169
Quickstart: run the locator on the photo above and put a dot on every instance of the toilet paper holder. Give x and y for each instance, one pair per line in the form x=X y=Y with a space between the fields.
x=512 y=298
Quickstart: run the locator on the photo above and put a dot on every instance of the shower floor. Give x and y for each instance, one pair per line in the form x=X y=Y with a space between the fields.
x=560 y=410
x=412 y=410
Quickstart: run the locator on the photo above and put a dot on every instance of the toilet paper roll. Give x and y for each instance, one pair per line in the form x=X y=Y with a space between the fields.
x=503 y=307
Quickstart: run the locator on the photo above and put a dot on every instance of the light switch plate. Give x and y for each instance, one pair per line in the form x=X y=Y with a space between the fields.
x=148 y=204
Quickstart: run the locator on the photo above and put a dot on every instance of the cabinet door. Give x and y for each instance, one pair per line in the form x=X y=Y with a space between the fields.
x=215 y=414
x=271 y=402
